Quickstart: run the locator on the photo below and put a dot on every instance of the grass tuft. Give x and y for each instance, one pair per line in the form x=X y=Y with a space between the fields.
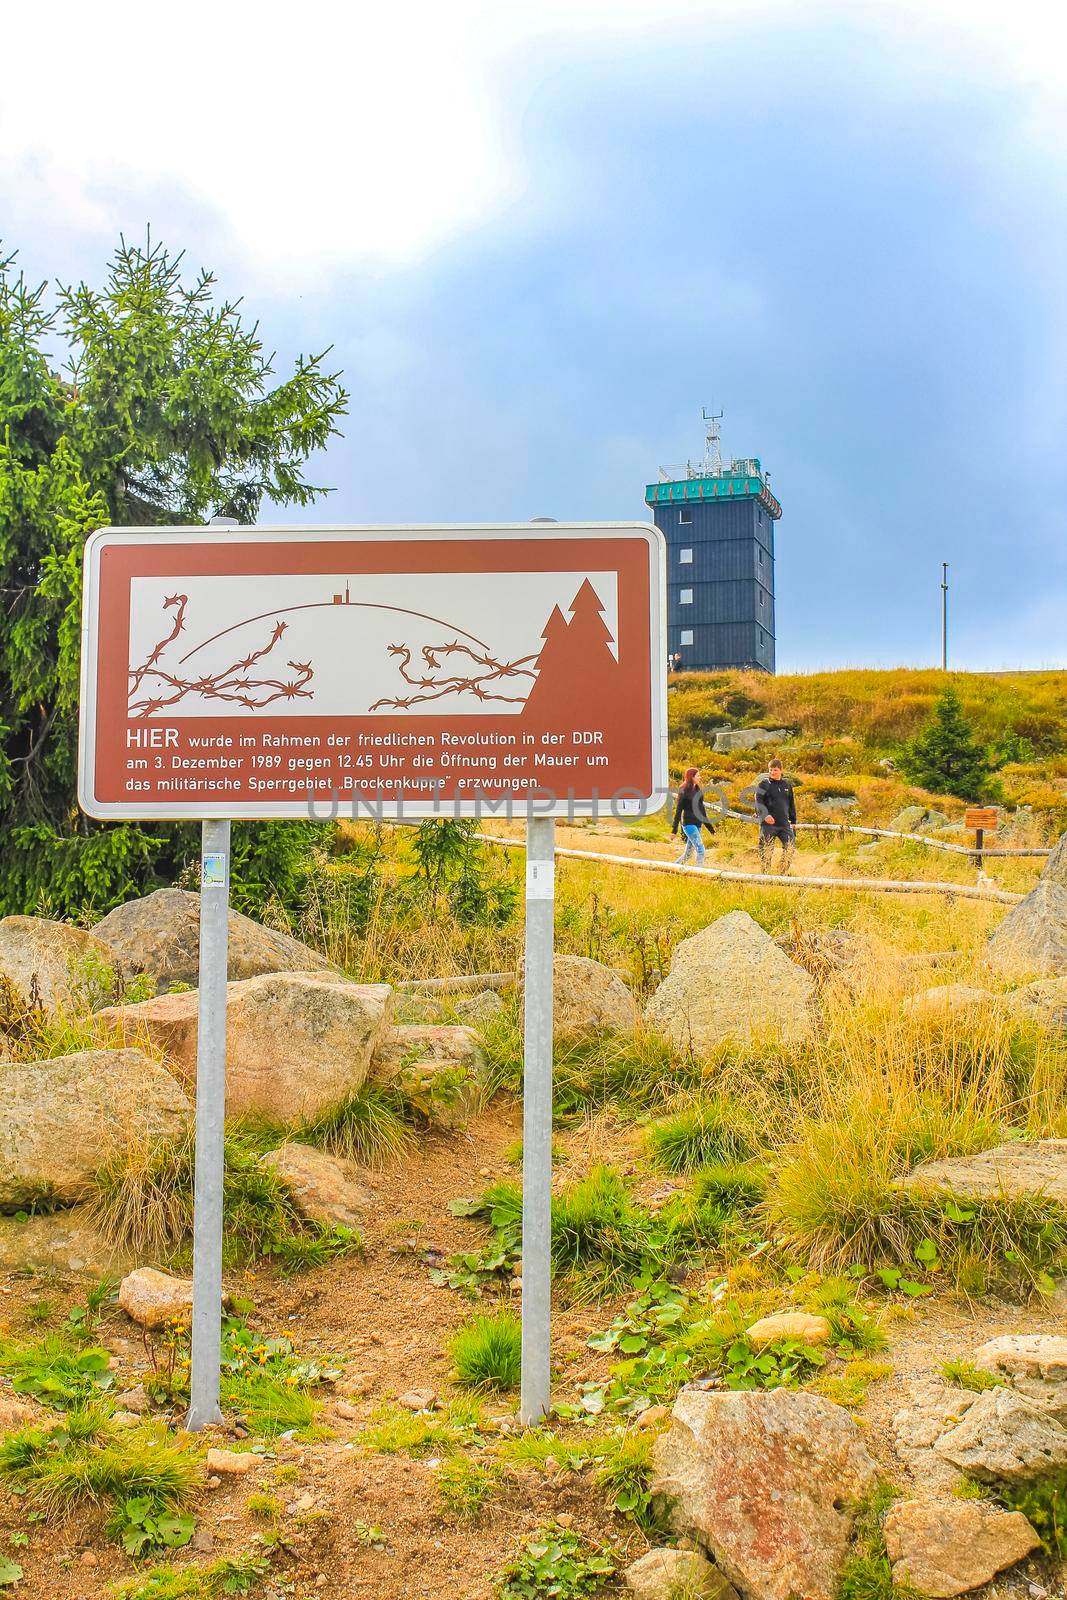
x=710 y=1132
x=487 y=1351
x=88 y=1461
x=368 y=1126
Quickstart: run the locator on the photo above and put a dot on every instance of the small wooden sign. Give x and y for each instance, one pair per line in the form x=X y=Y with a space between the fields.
x=984 y=817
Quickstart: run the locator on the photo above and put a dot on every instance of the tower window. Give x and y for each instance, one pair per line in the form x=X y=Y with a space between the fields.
x=686 y=636
x=760 y=549
x=761 y=597
x=685 y=598
x=685 y=514
x=685 y=556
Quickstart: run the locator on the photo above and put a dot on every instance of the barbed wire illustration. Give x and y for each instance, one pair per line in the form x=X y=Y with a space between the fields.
x=229 y=684
x=432 y=688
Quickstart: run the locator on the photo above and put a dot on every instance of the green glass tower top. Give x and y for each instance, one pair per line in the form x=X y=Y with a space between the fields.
x=743 y=479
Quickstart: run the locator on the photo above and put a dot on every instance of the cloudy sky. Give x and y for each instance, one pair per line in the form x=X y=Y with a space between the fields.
x=541 y=236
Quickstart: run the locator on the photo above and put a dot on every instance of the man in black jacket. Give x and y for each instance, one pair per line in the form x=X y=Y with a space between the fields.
x=776 y=813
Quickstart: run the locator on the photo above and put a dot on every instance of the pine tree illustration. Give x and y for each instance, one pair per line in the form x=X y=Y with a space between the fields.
x=576 y=662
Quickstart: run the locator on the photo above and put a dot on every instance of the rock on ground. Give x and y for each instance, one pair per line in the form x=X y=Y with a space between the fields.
x=1024 y=1167
x=16 y=1412
x=766 y=1481
x=664 y=1574
x=918 y=819
x=731 y=981
x=802 y=1325
x=1005 y=1435
x=61 y=1120
x=945 y=1548
x=58 y=1242
x=932 y=1410
x=324 y=1188
x=295 y=1045
x=747 y=738
x=589 y=998
x=154 y=1298
x=47 y=962
x=949 y=997
x=1032 y=939
x=477 y=1010
x=229 y=1463
x=1033 y=1363
x=453 y=1045
x=1043 y=1002
x=160 y=935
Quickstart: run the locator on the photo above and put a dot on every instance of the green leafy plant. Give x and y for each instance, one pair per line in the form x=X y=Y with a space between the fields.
x=556 y=1562
x=87 y=1460
x=10 y=1572
x=144 y=1525
x=232 y=1575
x=486 y=1352
x=56 y=1371
x=624 y=1469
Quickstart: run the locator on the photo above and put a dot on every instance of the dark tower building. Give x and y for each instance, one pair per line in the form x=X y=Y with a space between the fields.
x=718 y=522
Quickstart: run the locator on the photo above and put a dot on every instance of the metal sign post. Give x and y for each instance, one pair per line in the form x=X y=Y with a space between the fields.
x=537 y=1121
x=204 y=1408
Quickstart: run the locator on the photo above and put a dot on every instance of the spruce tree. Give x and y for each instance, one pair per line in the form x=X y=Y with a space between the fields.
x=946 y=758
x=163 y=413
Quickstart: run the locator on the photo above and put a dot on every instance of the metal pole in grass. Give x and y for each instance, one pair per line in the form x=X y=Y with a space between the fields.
x=537 y=1121
x=210 y=1170
x=204 y=1382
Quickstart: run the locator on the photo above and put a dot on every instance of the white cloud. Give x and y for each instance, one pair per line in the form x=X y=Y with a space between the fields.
x=309 y=138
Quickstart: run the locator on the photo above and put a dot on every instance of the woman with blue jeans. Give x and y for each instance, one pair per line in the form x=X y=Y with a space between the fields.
x=690 y=816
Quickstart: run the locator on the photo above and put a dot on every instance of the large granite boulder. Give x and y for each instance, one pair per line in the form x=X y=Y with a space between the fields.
x=1032 y=939
x=944 y=1547
x=51 y=963
x=295 y=1044
x=589 y=998
x=730 y=981
x=160 y=935
x=61 y=1120
x=767 y=1481
x=1023 y=1167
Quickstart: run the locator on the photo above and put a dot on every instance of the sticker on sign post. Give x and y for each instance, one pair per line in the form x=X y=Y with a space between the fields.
x=540 y=880
x=213 y=872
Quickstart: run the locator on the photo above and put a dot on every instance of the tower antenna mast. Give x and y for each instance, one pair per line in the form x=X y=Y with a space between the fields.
x=712 y=463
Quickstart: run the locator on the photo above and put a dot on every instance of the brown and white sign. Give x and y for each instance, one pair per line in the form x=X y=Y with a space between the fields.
x=269 y=672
